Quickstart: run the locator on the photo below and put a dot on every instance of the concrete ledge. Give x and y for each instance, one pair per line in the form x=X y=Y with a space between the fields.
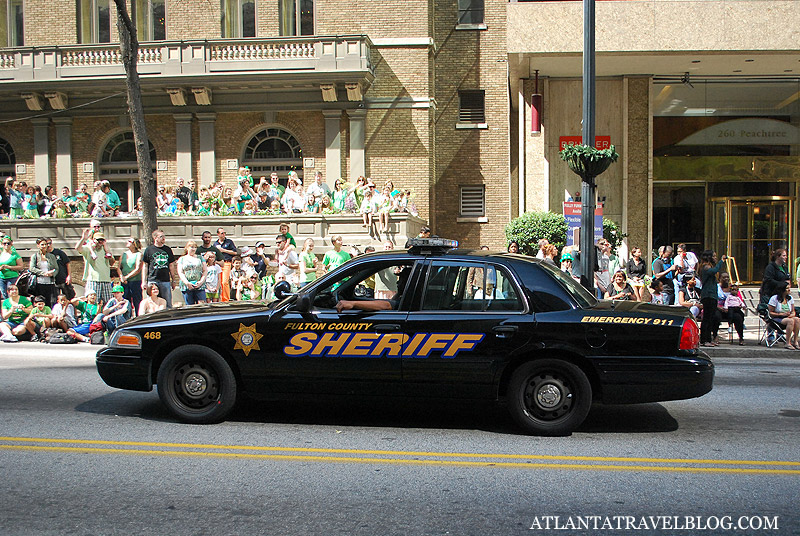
x=243 y=230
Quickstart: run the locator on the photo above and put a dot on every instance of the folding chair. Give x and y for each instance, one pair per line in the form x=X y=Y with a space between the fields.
x=772 y=332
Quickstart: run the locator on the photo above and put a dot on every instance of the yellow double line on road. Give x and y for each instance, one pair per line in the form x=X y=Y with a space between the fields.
x=400 y=457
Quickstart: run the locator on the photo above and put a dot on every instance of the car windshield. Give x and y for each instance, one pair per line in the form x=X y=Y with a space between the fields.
x=575 y=289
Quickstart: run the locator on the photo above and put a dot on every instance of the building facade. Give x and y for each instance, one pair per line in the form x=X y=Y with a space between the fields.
x=701 y=98
x=409 y=90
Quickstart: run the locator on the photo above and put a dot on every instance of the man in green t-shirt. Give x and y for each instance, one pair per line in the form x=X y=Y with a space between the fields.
x=335 y=257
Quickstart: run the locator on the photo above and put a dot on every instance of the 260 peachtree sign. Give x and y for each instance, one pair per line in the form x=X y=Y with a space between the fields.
x=750 y=131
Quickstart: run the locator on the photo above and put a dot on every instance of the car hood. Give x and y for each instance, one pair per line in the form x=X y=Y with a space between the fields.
x=629 y=306
x=201 y=313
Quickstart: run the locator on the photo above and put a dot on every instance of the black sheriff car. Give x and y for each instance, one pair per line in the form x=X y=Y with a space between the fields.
x=430 y=321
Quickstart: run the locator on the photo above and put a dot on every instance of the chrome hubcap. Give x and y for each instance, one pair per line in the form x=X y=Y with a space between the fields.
x=195 y=384
x=549 y=396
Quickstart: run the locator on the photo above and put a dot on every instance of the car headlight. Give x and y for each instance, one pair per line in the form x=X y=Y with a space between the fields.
x=125 y=339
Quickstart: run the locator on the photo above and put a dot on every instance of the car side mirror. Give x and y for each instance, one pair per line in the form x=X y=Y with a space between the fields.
x=302 y=304
x=282 y=289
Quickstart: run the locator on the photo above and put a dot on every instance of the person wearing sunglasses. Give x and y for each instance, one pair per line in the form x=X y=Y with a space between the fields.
x=98 y=261
x=10 y=265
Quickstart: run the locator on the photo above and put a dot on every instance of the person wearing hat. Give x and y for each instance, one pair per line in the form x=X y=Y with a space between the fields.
x=98 y=261
x=567 y=262
x=260 y=259
x=116 y=311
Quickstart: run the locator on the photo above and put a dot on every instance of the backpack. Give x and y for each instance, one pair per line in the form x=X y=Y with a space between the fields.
x=98 y=337
x=26 y=283
x=61 y=338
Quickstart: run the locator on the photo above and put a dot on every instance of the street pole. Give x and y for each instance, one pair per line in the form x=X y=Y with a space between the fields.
x=588 y=189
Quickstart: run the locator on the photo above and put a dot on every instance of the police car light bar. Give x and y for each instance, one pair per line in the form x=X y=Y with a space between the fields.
x=432 y=243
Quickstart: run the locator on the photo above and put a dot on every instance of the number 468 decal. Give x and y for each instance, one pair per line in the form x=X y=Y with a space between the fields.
x=152 y=335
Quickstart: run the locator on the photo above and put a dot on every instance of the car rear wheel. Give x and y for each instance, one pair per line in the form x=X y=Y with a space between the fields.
x=197 y=385
x=549 y=397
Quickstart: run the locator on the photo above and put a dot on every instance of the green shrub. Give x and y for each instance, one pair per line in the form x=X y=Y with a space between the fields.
x=529 y=228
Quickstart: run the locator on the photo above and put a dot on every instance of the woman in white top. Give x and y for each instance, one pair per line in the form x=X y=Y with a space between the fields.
x=781 y=308
x=192 y=271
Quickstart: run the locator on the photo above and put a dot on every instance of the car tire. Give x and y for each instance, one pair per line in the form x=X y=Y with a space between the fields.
x=549 y=397
x=197 y=385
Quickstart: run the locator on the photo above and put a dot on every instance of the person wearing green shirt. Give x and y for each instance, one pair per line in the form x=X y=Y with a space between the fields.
x=112 y=198
x=16 y=322
x=284 y=230
x=308 y=263
x=10 y=265
x=335 y=257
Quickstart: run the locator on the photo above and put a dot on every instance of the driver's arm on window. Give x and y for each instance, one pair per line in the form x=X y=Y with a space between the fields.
x=366 y=305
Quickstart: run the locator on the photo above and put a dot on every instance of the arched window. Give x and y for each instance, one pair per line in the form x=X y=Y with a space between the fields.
x=274 y=149
x=119 y=167
x=7 y=159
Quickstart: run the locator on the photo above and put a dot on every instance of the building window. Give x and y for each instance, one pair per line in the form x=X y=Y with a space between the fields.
x=94 y=21
x=238 y=18
x=274 y=149
x=297 y=17
x=12 y=20
x=7 y=159
x=471 y=108
x=119 y=167
x=473 y=202
x=151 y=20
x=470 y=14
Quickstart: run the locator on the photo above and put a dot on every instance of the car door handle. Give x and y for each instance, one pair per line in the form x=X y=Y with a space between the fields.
x=504 y=332
x=387 y=327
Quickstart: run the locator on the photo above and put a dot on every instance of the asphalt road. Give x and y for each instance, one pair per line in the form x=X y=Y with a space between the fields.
x=77 y=457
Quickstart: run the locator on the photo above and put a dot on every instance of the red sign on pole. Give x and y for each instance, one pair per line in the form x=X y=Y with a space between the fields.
x=600 y=142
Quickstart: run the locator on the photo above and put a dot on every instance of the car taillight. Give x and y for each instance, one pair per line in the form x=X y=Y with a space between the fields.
x=690 y=335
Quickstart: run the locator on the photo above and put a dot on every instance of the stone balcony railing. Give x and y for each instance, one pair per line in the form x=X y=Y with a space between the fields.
x=173 y=58
x=243 y=230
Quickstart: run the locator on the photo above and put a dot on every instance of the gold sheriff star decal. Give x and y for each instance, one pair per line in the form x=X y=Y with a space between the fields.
x=246 y=339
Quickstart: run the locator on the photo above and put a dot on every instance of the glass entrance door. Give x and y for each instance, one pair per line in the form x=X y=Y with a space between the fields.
x=749 y=230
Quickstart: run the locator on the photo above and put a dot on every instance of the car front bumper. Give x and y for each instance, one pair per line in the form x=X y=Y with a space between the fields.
x=124 y=369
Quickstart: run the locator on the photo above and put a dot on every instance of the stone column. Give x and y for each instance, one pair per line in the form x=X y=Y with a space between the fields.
x=183 y=145
x=208 y=164
x=637 y=214
x=357 y=144
x=41 y=153
x=333 y=146
x=63 y=153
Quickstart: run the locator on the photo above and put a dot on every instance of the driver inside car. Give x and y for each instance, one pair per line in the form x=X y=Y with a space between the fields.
x=378 y=304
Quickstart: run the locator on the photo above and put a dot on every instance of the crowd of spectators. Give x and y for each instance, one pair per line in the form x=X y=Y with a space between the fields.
x=269 y=196
x=140 y=281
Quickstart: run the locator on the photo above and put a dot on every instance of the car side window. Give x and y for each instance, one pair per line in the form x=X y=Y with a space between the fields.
x=469 y=287
x=377 y=280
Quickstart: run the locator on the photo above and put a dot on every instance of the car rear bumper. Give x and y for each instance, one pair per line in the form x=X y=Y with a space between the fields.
x=653 y=379
x=124 y=369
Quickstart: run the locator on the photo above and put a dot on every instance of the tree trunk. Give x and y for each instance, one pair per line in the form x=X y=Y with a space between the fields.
x=129 y=48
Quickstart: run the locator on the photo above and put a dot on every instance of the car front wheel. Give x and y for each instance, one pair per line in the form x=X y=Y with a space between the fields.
x=197 y=385
x=549 y=397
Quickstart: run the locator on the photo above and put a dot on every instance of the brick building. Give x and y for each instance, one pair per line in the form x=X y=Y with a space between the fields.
x=276 y=85
x=700 y=98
